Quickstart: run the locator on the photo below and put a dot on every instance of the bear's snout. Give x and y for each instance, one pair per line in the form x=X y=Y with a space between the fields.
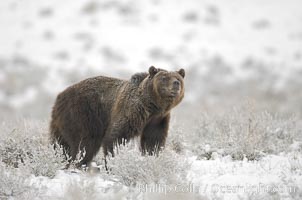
x=176 y=85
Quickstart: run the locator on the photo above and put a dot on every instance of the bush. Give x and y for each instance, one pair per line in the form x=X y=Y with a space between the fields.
x=243 y=132
x=26 y=146
x=132 y=168
x=175 y=139
x=14 y=184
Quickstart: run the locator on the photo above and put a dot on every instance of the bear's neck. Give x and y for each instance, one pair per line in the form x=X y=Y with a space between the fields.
x=151 y=102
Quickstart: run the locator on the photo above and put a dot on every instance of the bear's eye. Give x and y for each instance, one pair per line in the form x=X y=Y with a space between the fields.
x=163 y=78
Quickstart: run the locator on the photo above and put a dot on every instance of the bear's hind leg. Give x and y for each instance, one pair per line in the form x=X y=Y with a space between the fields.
x=89 y=150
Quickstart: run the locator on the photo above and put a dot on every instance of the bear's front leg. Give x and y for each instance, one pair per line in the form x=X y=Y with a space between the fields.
x=120 y=132
x=154 y=135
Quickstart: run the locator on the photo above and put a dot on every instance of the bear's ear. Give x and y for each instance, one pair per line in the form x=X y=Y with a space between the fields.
x=182 y=72
x=152 y=71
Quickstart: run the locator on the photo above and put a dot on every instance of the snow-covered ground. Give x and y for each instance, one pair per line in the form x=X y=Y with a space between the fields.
x=232 y=50
x=274 y=177
x=194 y=165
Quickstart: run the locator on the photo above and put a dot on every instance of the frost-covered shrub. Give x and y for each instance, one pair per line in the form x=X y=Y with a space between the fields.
x=244 y=132
x=14 y=184
x=175 y=139
x=45 y=161
x=206 y=152
x=17 y=141
x=133 y=168
x=25 y=145
x=295 y=161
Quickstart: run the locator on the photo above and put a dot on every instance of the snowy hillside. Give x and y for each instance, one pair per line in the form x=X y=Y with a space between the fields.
x=47 y=45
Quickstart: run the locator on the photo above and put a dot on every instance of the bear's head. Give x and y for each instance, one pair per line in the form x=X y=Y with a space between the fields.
x=167 y=86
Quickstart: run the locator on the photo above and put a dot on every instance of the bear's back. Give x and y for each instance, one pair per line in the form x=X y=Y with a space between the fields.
x=94 y=95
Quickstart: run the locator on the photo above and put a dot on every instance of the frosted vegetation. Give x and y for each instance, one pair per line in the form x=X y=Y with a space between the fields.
x=239 y=135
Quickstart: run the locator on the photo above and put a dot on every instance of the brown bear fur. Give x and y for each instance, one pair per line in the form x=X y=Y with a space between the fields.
x=137 y=78
x=103 y=111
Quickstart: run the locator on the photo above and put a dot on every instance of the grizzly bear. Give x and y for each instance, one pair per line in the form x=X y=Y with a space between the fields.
x=104 y=111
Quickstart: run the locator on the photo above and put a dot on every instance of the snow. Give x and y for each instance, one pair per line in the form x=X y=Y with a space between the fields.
x=235 y=179
x=113 y=38
x=60 y=184
x=221 y=178
x=110 y=37
x=243 y=29
x=28 y=96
